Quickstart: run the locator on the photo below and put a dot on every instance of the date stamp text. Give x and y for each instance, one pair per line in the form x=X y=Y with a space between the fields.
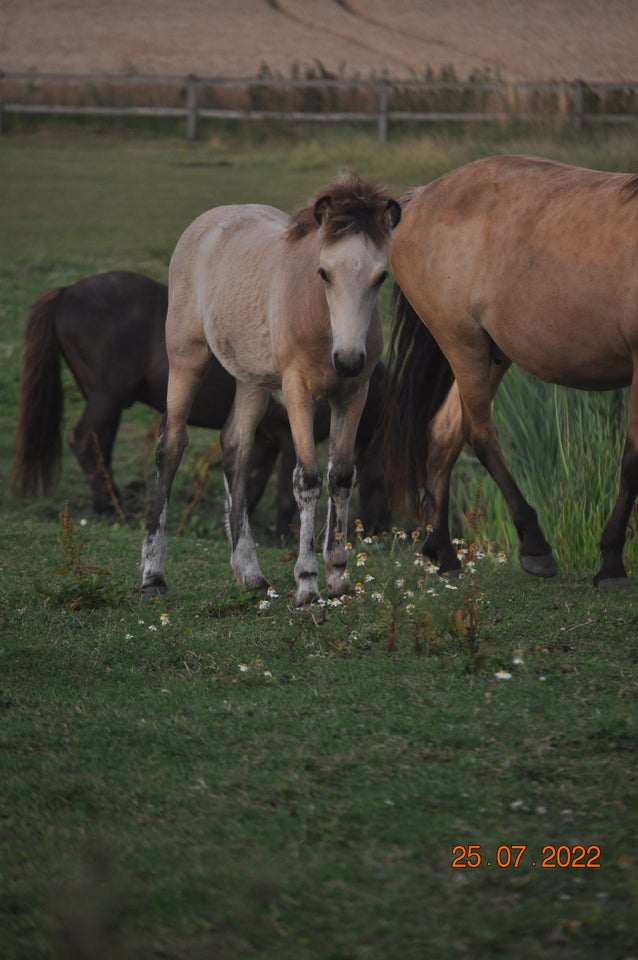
x=516 y=855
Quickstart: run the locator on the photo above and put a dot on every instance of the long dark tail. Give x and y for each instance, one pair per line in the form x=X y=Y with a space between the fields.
x=38 y=445
x=420 y=378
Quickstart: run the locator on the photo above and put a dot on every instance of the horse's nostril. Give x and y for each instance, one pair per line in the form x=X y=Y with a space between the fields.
x=348 y=365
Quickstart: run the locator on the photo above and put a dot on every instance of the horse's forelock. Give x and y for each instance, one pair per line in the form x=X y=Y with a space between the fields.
x=355 y=206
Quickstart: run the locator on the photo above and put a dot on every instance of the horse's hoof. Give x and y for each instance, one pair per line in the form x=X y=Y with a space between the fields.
x=154 y=589
x=256 y=585
x=306 y=598
x=611 y=583
x=343 y=588
x=544 y=566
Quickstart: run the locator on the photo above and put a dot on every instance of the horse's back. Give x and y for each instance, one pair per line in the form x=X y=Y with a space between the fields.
x=220 y=237
x=110 y=327
x=537 y=254
x=220 y=286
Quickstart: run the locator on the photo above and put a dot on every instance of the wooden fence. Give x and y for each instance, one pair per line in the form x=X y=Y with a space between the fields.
x=381 y=102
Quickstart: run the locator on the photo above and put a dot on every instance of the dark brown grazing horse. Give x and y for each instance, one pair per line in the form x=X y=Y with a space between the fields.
x=509 y=260
x=110 y=330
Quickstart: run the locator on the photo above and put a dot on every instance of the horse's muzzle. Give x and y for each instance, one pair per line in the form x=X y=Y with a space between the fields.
x=348 y=365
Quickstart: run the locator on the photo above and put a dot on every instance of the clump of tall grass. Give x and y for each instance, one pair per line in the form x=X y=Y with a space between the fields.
x=564 y=449
x=77 y=584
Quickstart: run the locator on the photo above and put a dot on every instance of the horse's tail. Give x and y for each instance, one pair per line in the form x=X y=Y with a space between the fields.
x=420 y=378
x=38 y=446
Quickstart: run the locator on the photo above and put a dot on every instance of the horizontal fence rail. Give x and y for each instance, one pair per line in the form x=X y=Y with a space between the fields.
x=381 y=102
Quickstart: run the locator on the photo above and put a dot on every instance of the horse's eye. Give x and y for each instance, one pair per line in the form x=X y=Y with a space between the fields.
x=381 y=278
x=324 y=276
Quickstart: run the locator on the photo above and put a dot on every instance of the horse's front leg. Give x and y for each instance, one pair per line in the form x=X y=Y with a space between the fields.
x=171 y=445
x=535 y=553
x=182 y=386
x=341 y=477
x=306 y=483
x=237 y=439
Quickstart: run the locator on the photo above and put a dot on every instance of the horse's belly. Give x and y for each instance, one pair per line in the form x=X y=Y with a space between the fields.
x=571 y=362
x=247 y=358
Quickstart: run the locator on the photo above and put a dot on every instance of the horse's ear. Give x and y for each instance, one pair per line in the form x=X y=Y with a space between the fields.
x=322 y=208
x=392 y=214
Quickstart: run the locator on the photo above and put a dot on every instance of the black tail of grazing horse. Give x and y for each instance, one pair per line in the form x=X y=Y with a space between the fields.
x=419 y=380
x=38 y=444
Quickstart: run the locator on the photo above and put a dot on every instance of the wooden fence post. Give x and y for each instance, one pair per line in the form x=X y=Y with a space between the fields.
x=191 y=106
x=382 y=123
x=579 y=104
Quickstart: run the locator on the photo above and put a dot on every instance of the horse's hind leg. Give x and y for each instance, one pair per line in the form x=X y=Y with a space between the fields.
x=91 y=440
x=612 y=574
x=183 y=382
x=262 y=462
x=237 y=439
x=445 y=442
x=286 y=503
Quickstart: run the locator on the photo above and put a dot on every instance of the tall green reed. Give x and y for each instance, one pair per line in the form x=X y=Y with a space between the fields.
x=564 y=448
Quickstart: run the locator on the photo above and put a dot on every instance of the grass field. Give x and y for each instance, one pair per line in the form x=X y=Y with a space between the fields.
x=201 y=778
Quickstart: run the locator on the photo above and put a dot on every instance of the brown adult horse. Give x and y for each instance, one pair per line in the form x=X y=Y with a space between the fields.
x=510 y=260
x=290 y=308
x=110 y=330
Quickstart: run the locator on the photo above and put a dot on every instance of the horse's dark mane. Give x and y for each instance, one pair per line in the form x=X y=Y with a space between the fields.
x=629 y=189
x=407 y=195
x=356 y=206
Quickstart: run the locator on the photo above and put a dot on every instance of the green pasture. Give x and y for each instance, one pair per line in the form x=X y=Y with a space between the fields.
x=206 y=777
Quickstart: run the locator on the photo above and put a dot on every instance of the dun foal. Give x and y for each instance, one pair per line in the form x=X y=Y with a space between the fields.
x=290 y=308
